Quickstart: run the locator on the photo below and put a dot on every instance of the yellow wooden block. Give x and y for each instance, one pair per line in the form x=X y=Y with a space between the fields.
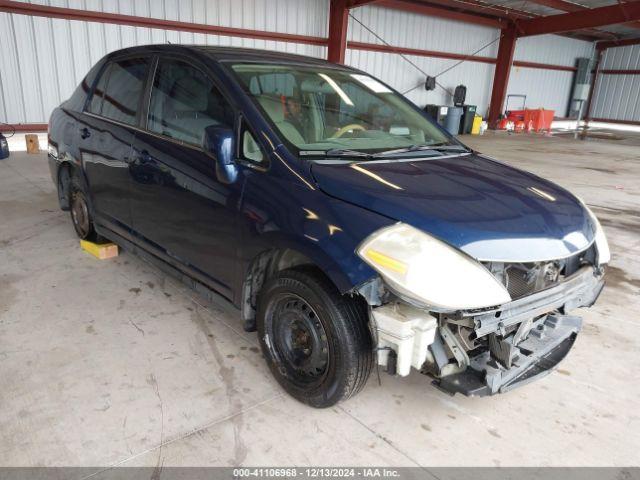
x=100 y=250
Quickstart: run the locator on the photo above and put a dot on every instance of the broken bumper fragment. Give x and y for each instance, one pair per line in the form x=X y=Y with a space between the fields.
x=547 y=344
x=485 y=352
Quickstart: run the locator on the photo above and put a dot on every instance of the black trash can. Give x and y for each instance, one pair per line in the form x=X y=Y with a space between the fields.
x=466 y=123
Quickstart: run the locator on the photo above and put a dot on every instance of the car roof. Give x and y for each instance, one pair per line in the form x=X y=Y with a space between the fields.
x=231 y=54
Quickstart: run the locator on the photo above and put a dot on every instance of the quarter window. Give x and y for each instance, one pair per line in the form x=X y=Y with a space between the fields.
x=95 y=106
x=250 y=148
x=184 y=101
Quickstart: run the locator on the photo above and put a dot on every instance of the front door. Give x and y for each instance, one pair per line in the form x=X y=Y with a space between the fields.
x=179 y=208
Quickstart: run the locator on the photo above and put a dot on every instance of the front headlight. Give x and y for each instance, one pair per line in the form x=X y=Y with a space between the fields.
x=604 y=254
x=421 y=267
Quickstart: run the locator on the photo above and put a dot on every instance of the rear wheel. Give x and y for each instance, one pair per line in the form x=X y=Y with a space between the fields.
x=81 y=214
x=317 y=342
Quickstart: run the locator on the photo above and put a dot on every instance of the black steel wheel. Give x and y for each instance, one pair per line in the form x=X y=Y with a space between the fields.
x=316 y=342
x=81 y=214
x=299 y=339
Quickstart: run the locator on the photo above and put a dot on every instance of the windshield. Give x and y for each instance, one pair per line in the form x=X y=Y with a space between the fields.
x=327 y=110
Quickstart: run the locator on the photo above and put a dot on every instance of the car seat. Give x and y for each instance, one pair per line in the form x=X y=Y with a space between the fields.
x=275 y=110
x=186 y=112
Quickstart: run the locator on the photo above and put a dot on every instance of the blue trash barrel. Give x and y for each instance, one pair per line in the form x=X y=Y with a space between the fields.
x=452 y=122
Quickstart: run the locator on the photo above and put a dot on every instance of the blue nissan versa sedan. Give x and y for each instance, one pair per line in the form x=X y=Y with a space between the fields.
x=348 y=228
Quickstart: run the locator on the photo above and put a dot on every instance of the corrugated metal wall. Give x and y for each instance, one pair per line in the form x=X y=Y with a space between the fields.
x=544 y=88
x=550 y=89
x=403 y=29
x=44 y=59
x=617 y=97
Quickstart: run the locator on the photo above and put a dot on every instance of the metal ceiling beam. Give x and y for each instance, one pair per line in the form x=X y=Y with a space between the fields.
x=591 y=18
x=617 y=43
x=438 y=11
x=565 y=6
x=474 y=11
x=474 y=6
x=561 y=5
x=359 y=3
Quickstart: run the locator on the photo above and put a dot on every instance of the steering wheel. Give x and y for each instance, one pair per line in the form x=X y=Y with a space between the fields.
x=347 y=128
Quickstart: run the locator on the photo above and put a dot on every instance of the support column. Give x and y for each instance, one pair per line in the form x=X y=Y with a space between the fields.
x=338 y=21
x=501 y=75
x=594 y=79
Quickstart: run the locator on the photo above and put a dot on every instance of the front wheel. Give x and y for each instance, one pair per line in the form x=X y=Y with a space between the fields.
x=317 y=342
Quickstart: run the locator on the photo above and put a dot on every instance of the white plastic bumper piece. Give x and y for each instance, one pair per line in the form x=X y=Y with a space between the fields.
x=406 y=330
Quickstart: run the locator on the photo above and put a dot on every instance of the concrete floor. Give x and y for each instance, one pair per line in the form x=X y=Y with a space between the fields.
x=111 y=363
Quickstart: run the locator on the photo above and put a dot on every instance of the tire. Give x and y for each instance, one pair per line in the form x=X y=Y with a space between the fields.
x=316 y=342
x=81 y=213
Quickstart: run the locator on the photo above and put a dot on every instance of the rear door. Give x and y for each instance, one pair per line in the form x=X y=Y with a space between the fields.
x=179 y=208
x=106 y=133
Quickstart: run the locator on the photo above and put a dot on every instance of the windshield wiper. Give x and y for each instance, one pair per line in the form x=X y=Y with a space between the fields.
x=448 y=147
x=438 y=148
x=336 y=152
x=348 y=153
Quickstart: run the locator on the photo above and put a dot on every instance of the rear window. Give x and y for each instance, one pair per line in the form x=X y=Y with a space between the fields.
x=118 y=92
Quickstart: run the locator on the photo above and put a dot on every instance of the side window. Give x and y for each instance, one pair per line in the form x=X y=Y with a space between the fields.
x=184 y=101
x=95 y=106
x=79 y=96
x=250 y=148
x=124 y=88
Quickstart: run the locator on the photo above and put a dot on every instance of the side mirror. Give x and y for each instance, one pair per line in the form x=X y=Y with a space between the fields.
x=220 y=142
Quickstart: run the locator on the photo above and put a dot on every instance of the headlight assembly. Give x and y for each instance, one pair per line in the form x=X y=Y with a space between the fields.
x=421 y=267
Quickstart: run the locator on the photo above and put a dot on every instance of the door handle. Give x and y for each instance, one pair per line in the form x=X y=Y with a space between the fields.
x=145 y=158
x=85 y=133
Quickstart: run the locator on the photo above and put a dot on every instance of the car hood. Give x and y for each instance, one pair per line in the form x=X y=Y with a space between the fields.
x=485 y=208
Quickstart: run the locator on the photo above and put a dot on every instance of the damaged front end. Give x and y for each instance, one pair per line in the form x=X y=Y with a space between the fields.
x=484 y=351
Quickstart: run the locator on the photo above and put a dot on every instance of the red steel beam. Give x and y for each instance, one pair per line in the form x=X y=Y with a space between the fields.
x=561 y=5
x=360 y=3
x=470 y=11
x=617 y=43
x=565 y=6
x=544 y=66
x=23 y=127
x=435 y=11
x=22 y=8
x=470 y=6
x=501 y=75
x=591 y=18
x=338 y=23
x=474 y=11
x=375 y=47
x=619 y=72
